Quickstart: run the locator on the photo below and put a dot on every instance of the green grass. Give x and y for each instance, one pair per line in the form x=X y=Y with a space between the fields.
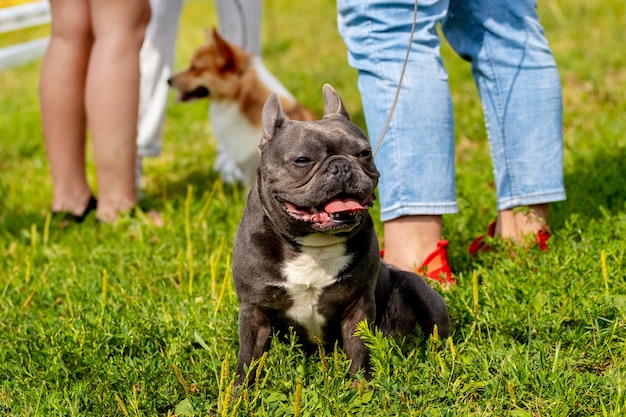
x=136 y=320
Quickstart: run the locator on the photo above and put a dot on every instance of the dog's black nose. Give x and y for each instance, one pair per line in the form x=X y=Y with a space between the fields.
x=340 y=168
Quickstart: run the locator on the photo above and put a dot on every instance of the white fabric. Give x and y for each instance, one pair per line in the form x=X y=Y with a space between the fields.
x=240 y=23
x=156 y=62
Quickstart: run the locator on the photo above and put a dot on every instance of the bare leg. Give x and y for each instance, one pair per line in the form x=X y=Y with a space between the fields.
x=112 y=99
x=62 y=80
x=513 y=224
x=410 y=239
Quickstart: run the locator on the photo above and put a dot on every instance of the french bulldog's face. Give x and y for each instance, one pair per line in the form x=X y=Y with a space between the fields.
x=315 y=177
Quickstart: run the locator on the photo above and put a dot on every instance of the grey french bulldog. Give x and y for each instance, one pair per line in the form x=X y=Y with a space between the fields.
x=306 y=256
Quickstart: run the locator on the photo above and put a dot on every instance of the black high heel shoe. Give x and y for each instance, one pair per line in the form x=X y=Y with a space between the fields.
x=63 y=216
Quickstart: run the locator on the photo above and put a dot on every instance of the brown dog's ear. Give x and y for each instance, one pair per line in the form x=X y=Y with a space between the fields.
x=208 y=35
x=227 y=62
x=273 y=118
x=333 y=105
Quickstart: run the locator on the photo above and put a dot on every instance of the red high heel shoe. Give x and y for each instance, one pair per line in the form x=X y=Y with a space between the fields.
x=479 y=245
x=542 y=237
x=443 y=273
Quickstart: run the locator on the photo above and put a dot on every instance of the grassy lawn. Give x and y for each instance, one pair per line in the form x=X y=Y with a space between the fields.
x=131 y=319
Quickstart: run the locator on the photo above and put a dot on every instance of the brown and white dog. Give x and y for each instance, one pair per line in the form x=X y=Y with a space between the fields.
x=238 y=85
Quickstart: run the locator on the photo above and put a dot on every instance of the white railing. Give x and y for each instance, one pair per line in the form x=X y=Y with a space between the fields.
x=20 y=17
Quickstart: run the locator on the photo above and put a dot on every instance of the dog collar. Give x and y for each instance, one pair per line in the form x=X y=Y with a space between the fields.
x=265 y=211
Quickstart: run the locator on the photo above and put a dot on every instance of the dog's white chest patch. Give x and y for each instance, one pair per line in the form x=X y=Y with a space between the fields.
x=307 y=275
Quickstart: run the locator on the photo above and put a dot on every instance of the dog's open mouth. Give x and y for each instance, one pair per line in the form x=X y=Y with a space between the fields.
x=199 y=92
x=339 y=210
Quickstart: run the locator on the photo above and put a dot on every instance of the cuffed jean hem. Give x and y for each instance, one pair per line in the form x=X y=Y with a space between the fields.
x=398 y=210
x=543 y=198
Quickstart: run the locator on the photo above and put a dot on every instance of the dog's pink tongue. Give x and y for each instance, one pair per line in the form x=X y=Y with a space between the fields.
x=342 y=205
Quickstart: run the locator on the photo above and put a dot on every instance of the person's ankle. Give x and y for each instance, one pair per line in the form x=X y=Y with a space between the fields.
x=506 y=226
x=520 y=222
x=410 y=240
x=75 y=205
x=408 y=260
x=111 y=211
x=531 y=220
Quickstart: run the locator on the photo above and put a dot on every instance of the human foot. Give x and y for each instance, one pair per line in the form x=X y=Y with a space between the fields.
x=65 y=216
x=151 y=215
x=436 y=266
x=517 y=224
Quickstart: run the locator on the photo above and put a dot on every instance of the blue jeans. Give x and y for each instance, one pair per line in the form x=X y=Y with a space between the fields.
x=518 y=83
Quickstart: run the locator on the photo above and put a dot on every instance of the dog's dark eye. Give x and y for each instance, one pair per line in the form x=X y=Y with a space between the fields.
x=365 y=153
x=302 y=160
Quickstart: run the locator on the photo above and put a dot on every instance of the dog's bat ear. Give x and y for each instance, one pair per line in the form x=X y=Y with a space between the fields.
x=272 y=118
x=333 y=105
